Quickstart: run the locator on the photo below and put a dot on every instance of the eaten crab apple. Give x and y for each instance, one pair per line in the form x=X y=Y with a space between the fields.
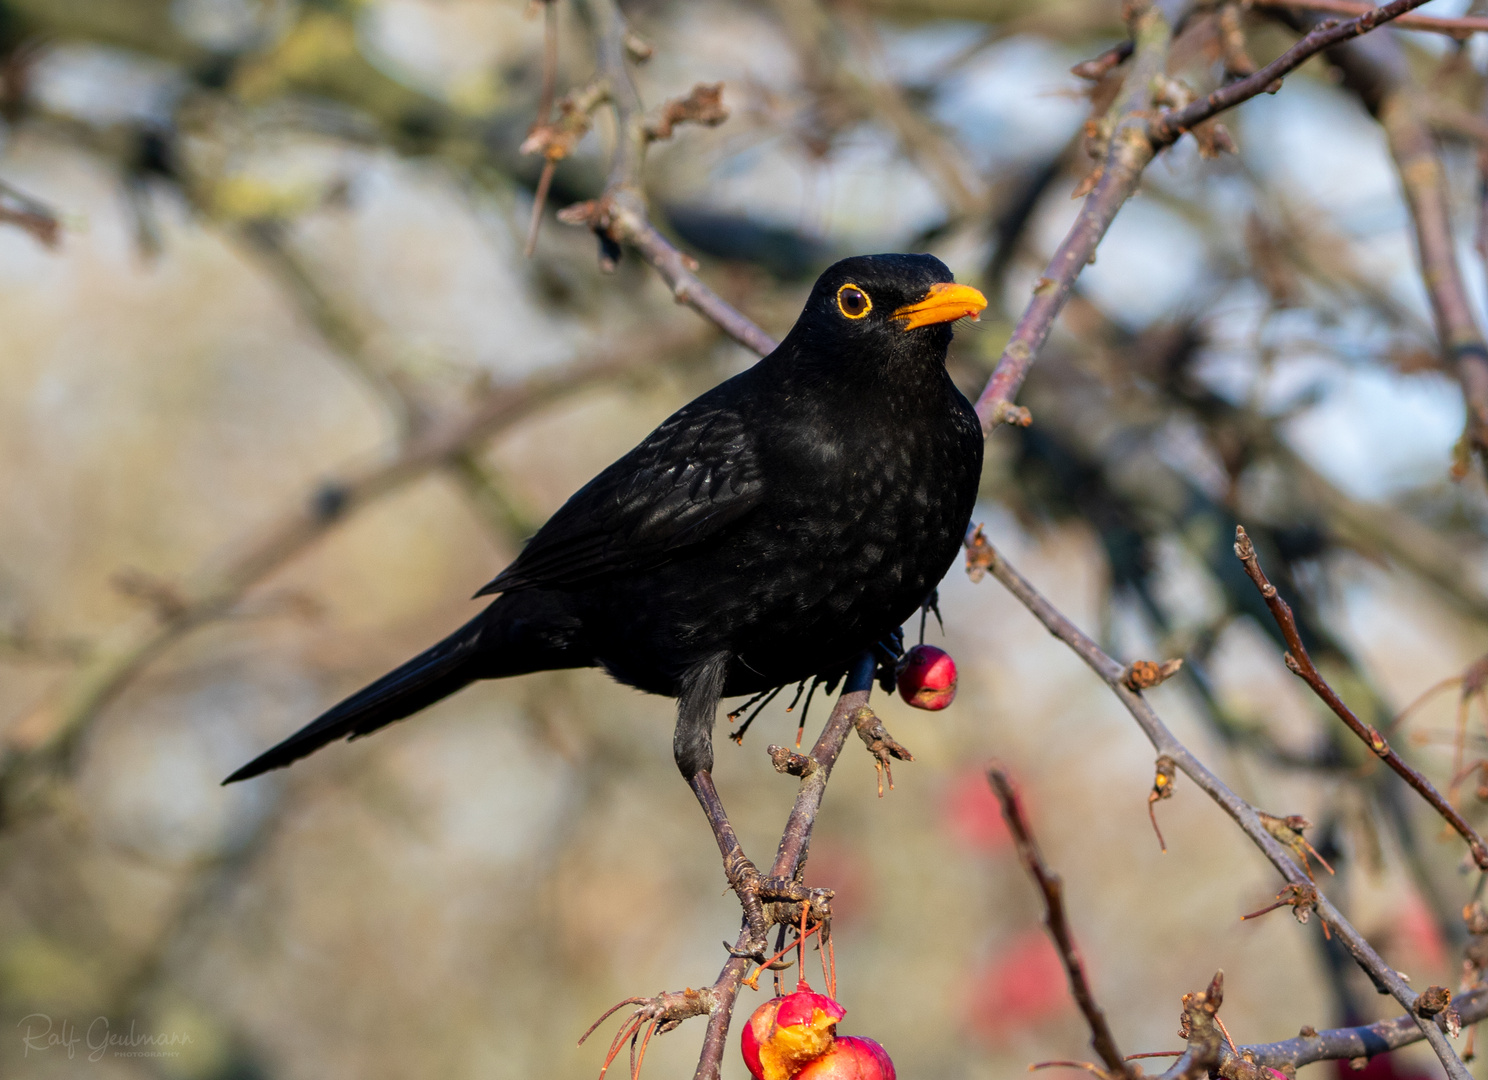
x=850 y=1058
x=927 y=678
x=786 y=1033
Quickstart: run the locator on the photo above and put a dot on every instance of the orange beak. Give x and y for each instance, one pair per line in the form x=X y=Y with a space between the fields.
x=945 y=302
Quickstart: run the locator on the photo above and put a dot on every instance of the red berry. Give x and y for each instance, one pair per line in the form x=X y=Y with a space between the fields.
x=850 y=1058
x=787 y=1032
x=927 y=678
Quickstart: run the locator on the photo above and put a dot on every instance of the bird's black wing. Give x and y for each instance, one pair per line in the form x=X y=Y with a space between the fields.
x=686 y=482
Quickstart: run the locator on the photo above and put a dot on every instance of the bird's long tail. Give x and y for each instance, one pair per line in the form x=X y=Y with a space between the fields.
x=519 y=633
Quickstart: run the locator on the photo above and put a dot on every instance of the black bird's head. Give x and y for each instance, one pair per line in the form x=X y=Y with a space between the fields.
x=883 y=309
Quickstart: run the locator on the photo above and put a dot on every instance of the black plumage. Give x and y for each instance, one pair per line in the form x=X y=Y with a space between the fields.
x=769 y=531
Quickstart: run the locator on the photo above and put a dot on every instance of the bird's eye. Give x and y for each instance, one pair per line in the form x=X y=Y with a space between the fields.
x=853 y=302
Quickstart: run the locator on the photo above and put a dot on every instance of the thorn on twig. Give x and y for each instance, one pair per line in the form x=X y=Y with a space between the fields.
x=1198 y=1026
x=981 y=556
x=638 y=48
x=1145 y=674
x=1005 y=412
x=1162 y=788
x=1087 y=185
x=880 y=744
x=1302 y=899
x=1289 y=831
x=1433 y=1000
x=703 y=105
x=786 y=760
x=1088 y=1066
x=1097 y=67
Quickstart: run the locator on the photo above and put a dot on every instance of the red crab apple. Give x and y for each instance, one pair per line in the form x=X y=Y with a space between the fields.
x=927 y=678
x=850 y=1058
x=785 y=1033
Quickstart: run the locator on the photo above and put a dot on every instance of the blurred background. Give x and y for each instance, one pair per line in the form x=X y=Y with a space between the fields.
x=278 y=391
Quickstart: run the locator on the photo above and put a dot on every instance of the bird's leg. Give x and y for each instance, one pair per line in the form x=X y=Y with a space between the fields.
x=692 y=745
x=743 y=876
x=883 y=746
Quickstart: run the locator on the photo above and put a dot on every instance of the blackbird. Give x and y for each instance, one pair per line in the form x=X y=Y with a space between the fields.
x=770 y=531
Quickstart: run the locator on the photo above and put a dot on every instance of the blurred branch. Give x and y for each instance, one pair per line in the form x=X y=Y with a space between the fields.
x=982 y=557
x=856 y=93
x=1300 y=664
x=266 y=239
x=1419 y=163
x=53 y=728
x=1057 y=921
x=34 y=216
x=1134 y=141
x=1378 y=72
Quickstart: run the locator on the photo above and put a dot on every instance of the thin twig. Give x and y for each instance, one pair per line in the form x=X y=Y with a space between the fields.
x=1057 y=922
x=982 y=557
x=619 y=215
x=1166 y=129
x=1460 y=26
x=1300 y=664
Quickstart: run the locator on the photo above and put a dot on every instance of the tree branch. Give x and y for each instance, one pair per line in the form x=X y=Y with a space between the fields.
x=1340 y=1044
x=1134 y=142
x=982 y=557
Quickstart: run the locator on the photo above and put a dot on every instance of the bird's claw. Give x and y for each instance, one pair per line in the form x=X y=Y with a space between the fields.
x=883 y=746
x=771 y=902
x=662 y=1013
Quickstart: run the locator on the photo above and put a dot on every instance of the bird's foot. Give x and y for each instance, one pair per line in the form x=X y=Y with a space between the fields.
x=883 y=746
x=771 y=902
x=657 y=1015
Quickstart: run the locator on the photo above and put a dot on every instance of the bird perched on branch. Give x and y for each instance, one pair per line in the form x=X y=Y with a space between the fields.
x=770 y=531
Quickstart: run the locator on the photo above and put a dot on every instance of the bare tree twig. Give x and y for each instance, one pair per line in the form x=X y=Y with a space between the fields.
x=1057 y=922
x=1170 y=125
x=1459 y=26
x=1301 y=665
x=982 y=557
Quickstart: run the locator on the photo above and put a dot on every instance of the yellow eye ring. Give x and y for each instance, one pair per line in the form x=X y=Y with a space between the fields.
x=853 y=302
